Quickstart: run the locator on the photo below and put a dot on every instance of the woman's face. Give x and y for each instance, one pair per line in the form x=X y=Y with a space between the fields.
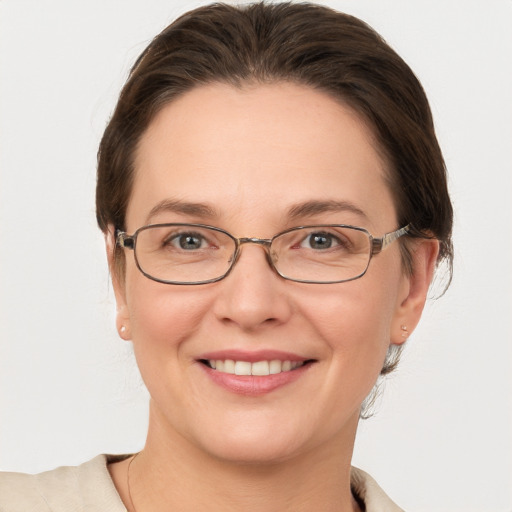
x=256 y=161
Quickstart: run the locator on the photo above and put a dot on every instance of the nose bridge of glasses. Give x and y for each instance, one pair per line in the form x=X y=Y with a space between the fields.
x=258 y=241
x=265 y=243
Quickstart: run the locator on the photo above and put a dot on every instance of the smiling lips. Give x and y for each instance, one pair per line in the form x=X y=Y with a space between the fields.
x=254 y=373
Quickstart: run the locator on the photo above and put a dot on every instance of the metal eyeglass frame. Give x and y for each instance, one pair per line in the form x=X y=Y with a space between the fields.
x=377 y=245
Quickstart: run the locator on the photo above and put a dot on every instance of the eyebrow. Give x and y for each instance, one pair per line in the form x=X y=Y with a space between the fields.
x=201 y=210
x=300 y=210
x=311 y=208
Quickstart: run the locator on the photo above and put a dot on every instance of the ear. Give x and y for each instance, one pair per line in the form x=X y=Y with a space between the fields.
x=122 y=311
x=414 y=289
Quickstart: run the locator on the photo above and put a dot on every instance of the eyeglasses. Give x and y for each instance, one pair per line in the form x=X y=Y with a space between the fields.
x=199 y=254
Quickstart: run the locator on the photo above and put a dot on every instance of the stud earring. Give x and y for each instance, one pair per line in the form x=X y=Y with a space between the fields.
x=405 y=332
x=122 y=329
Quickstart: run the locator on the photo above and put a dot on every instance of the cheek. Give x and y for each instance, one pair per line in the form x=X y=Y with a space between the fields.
x=354 y=321
x=162 y=316
x=352 y=316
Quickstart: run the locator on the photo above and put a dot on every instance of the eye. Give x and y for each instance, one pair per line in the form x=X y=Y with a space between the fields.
x=187 y=241
x=320 y=240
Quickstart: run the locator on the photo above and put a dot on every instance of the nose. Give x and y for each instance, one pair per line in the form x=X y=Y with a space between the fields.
x=253 y=295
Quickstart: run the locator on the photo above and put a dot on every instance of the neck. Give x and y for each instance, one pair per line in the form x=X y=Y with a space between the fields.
x=172 y=473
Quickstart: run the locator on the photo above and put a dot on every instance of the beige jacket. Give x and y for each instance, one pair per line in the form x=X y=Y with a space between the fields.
x=89 y=488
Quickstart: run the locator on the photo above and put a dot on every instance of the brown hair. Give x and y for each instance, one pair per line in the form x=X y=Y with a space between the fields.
x=299 y=42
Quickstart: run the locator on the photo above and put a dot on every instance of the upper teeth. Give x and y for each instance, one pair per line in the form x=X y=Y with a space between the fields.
x=257 y=368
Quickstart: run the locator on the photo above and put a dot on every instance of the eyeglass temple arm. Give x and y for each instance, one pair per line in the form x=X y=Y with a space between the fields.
x=124 y=240
x=379 y=244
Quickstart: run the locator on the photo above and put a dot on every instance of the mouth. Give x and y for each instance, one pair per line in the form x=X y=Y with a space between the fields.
x=257 y=368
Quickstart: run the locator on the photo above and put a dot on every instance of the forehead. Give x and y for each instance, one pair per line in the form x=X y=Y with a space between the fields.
x=257 y=151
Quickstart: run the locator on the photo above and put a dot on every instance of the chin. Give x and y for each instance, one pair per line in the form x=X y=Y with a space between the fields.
x=260 y=452
x=250 y=442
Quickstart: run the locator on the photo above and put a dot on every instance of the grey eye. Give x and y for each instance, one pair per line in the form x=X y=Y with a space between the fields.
x=187 y=241
x=319 y=241
x=190 y=242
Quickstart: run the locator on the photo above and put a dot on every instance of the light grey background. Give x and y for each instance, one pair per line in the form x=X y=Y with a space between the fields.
x=442 y=438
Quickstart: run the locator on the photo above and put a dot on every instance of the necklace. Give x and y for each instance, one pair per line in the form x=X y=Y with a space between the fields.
x=132 y=506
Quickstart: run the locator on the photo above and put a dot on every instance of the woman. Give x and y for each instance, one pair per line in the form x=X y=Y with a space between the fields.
x=274 y=205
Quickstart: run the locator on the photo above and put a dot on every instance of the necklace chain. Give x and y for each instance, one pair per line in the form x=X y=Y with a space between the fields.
x=132 y=506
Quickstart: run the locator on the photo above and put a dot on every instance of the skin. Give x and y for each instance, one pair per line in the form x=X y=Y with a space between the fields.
x=251 y=154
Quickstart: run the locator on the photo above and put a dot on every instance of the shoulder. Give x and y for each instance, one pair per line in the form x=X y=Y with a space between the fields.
x=370 y=493
x=87 y=487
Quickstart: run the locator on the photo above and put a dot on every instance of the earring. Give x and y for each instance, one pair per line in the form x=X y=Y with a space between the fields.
x=405 y=332
x=123 y=329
